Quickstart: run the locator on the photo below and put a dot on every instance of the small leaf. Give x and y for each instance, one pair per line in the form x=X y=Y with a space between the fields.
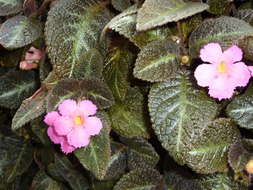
x=9 y=7
x=157 y=61
x=144 y=179
x=246 y=15
x=29 y=110
x=128 y=117
x=19 y=31
x=96 y=156
x=218 y=7
x=91 y=89
x=159 y=12
x=15 y=86
x=121 y=5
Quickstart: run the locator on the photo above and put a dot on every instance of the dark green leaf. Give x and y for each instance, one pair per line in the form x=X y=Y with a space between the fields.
x=159 y=12
x=19 y=31
x=103 y=185
x=8 y=7
x=121 y=5
x=15 y=86
x=218 y=7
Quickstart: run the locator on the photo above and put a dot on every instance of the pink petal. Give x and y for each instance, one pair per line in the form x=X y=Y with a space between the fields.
x=78 y=137
x=66 y=147
x=211 y=53
x=222 y=88
x=251 y=70
x=87 y=107
x=67 y=107
x=240 y=73
x=51 y=117
x=233 y=54
x=93 y=125
x=205 y=74
x=53 y=136
x=63 y=125
x=33 y=54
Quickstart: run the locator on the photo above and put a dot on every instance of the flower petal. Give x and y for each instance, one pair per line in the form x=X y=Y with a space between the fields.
x=66 y=147
x=67 y=107
x=53 y=136
x=211 y=53
x=234 y=54
x=78 y=137
x=51 y=117
x=205 y=74
x=93 y=125
x=63 y=125
x=87 y=107
x=240 y=74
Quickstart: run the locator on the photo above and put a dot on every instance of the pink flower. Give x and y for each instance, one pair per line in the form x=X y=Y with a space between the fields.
x=225 y=73
x=73 y=126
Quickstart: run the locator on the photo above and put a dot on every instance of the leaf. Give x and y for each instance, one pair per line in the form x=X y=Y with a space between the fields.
x=241 y=109
x=144 y=179
x=16 y=156
x=19 y=31
x=96 y=156
x=121 y=5
x=9 y=7
x=228 y=31
x=15 y=86
x=141 y=154
x=177 y=109
x=157 y=61
x=116 y=71
x=91 y=89
x=159 y=12
x=208 y=150
x=128 y=117
x=43 y=182
x=103 y=185
x=218 y=7
x=73 y=27
x=29 y=110
x=246 y=15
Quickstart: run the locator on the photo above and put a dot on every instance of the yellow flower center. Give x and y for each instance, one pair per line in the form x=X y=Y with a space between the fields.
x=78 y=120
x=222 y=67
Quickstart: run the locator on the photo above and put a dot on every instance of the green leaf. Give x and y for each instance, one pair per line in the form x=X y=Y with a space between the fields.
x=141 y=154
x=159 y=12
x=246 y=15
x=241 y=109
x=141 y=179
x=43 y=182
x=19 y=31
x=177 y=109
x=91 y=89
x=228 y=31
x=103 y=185
x=121 y=5
x=128 y=117
x=157 y=61
x=16 y=156
x=15 y=86
x=9 y=7
x=208 y=149
x=29 y=110
x=116 y=71
x=74 y=26
x=218 y=7
x=96 y=156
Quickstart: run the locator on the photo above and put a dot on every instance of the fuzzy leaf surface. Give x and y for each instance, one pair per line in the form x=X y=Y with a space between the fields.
x=121 y=5
x=246 y=15
x=8 y=7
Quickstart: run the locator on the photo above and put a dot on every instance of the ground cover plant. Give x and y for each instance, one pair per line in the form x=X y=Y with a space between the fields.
x=126 y=94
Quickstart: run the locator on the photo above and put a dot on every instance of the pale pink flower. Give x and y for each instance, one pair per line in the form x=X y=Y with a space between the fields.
x=225 y=71
x=33 y=54
x=73 y=126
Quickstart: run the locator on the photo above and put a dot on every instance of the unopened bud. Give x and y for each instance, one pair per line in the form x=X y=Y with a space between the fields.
x=249 y=167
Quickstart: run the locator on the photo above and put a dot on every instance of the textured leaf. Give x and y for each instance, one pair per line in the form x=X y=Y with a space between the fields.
x=128 y=117
x=246 y=15
x=209 y=147
x=241 y=109
x=159 y=12
x=29 y=110
x=142 y=179
x=141 y=154
x=226 y=31
x=16 y=155
x=116 y=72
x=177 y=109
x=121 y=5
x=91 y=89
x=96 y=156
x=15 y=86
x=103 y=185
x=218 y=7
x=8 y=7
x=73 y=27
x=19 y=31
x=157 y=61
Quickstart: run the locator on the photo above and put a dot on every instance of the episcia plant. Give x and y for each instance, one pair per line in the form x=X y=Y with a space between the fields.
x=126 y=94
